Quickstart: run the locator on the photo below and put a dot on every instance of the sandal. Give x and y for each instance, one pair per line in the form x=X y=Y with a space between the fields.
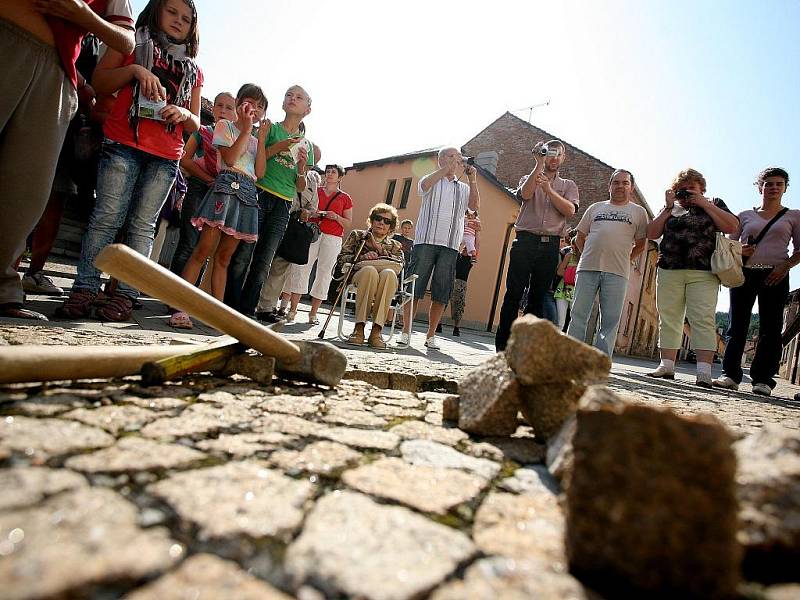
x=15 y=310
x=180 y=320
x=117 y=309
x=77 y=305
x=313 y=320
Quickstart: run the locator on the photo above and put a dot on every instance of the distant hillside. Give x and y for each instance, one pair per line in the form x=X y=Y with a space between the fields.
x=722 y=321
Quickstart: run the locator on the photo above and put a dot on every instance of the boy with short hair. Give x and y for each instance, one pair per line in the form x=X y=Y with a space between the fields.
x=281 y=173
x=405 y=239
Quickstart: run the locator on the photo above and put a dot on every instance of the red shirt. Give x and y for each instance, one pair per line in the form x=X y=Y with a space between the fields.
x=68 y=35
x=342 y=203
x=153 y=135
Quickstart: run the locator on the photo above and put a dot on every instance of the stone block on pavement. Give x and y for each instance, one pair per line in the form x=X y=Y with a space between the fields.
x=538 y=352
x=547 y=406
x=651 y=505
x=768 y=483
x=489 y=400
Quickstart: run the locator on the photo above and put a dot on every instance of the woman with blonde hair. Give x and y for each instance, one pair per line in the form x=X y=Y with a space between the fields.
x=686 y=287
x=377 y=267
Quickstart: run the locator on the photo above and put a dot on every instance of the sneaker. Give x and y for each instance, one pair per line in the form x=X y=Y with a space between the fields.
x=762 y=389
x=703 y=381
x=432 y=344
x=404 y=339
x=726 y=383
x=662 y=372
x=268 y=316
x=39 y=283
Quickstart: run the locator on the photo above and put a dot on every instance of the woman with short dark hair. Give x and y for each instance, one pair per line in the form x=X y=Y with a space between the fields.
x=765 y=232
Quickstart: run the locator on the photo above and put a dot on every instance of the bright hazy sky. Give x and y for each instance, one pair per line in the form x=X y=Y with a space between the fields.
x=651 y=86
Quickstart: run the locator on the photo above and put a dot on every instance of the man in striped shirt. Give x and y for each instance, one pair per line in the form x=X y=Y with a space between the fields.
x=440 y=229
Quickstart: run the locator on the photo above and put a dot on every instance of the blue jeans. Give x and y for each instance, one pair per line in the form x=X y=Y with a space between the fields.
x=132 y=185
x=251 y=263
x=612 y=289
x=549 y=307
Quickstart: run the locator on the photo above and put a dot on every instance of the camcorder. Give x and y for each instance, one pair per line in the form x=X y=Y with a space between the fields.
x=545 y=150
x=683 y=194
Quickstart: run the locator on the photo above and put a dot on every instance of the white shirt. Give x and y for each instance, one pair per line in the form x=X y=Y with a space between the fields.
x=441 y=216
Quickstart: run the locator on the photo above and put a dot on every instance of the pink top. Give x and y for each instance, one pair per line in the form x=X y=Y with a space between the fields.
x=774 y=248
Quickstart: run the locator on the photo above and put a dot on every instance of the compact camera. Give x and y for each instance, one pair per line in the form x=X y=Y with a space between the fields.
x=546 y=151
x=683 y=194
x=468 y=161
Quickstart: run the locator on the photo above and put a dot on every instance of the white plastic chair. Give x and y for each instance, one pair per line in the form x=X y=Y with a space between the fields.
x=403 y=295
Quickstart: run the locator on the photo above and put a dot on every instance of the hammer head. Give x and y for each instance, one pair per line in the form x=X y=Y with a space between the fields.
x=320 y=362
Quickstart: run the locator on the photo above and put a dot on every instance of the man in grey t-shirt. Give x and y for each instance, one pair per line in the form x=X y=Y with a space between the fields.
x=610 y=235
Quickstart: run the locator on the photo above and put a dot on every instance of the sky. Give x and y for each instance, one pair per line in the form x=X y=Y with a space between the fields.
x=649 y=85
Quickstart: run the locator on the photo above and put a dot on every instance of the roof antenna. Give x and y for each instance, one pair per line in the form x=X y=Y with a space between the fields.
x=530 y=108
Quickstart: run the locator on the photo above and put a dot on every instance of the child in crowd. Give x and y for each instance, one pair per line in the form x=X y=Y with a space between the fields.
x=472 y=227
x=281 y=173
x=405 y=238
x=565 y=290
x=228 y=213
x=41 y=86
x=159 y=87
x=199 y=162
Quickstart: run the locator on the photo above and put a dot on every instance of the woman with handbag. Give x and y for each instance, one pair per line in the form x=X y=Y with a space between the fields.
x=765 y=232
x=376 y=271
x=686 y=287
x=334 y=213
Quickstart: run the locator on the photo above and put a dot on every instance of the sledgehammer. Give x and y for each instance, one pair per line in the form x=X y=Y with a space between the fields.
x=316 y=362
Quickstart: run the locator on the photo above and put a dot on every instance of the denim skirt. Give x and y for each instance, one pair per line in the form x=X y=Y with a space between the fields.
x=231 y=205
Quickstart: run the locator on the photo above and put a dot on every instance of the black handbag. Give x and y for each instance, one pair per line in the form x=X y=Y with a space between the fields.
x=296 y=240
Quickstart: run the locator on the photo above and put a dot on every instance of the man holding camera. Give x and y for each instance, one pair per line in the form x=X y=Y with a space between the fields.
x=440 y=229
x=547 y=202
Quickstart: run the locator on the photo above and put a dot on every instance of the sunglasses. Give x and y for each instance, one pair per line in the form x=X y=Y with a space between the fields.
x=380 y=219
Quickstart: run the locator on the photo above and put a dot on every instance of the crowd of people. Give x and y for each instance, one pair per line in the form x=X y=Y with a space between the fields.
x=266 y=225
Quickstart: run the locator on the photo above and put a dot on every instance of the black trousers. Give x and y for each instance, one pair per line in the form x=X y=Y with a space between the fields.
x=532 y=261
x=771 y=299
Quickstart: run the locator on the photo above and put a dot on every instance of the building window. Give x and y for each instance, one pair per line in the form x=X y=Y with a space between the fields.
x=406 y=192
x=390 y=190
x=628 y=319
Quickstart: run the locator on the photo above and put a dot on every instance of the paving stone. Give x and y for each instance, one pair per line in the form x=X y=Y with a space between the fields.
x=387 y=410
x=46 y=405
x=218 y=397
x=664 y=484
x=436 y=419
x=135 y=454
x=531 y=480
x=75 y=541
x=514 y=579
x=299 y=406
x=259 y=369
x=380 y=379
x=114 y=419
x=768 y=490
x=207 y=576
x=360 y=438
x=489 y=400
x=321 y=458
x=199 y=419
x=521 y=526
x=546 y=407
x=523 y=449
x=288 y=424
x=450 y=409
x=539 y=353
x=353 y=546
x=353 y=418
x=432 y=454
x=41 y=439
x=417 y=430
x=428 y=489
x=157 y=404
x=239 y=498
x=28 y=485
x=395 y=398
x=243 y=445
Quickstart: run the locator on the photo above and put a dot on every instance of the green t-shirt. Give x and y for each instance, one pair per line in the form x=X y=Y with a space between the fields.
x=281 y=173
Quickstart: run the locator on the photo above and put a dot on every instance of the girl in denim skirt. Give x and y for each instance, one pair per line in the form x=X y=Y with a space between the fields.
x=228 y=214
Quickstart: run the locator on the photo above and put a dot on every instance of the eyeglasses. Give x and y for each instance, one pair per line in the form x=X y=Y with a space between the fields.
x=380 y=219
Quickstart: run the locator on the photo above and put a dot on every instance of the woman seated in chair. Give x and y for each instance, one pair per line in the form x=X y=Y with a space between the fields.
x=377 y=267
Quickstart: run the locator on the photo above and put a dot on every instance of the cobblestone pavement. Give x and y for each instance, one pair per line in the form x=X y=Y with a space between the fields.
x=239 y=490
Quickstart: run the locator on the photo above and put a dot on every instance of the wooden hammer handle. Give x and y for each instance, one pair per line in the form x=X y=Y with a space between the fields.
x=134 y=269
x=55 y=363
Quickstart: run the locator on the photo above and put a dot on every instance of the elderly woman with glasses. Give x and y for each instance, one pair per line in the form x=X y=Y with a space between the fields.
x=377 y=267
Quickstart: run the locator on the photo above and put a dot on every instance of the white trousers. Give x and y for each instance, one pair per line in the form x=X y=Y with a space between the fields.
x=324 y=252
